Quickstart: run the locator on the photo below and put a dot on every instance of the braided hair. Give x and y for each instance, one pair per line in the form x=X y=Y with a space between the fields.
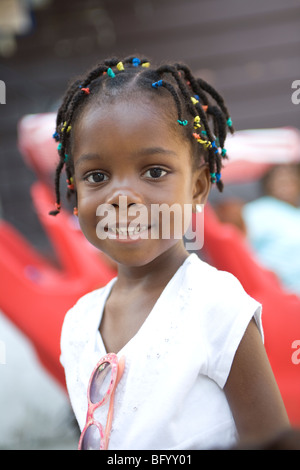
x=201 y=111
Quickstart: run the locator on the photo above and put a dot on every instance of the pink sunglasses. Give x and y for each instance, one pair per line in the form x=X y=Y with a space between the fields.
x=102 y=386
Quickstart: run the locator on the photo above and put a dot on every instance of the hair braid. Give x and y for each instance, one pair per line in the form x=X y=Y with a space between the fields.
x=219 y=99
x=191 y=97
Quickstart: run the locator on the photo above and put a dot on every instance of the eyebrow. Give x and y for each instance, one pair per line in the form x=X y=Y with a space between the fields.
x=156 y=151
x=147 y=151
x=87 y=157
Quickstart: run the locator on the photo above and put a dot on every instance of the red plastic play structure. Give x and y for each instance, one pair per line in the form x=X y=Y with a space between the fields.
x=227 y=250
x=36 y=292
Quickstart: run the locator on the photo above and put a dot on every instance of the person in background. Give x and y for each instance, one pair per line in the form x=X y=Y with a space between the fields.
x=273 y=224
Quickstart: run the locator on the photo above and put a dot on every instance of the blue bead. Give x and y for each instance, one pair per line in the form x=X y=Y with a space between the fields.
x=157 y=84
x=136 y=62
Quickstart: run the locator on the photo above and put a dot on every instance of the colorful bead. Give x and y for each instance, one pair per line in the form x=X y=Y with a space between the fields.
x=136 y=61
x=146 y=64
x=194 y=100
x=197 y=122
x=70 y=184
x=218 y=176
x=182 y=123
x=86 y=90
x=56 y=136
x=110 y=73
x=229 y=122
x=214 y=145
x=120 y=66
x=157 y=84
x=205 y=143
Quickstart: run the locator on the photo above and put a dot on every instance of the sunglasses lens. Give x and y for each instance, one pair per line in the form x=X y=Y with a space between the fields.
x=91 y=439
x=100 y=382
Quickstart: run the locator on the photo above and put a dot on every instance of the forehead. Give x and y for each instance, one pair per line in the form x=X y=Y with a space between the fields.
x=128 y=123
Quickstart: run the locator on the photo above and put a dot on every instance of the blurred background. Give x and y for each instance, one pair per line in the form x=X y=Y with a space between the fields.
x=248 y=50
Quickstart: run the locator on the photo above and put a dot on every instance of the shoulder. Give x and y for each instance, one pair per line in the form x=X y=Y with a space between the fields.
x=223 y=311
x=218 y=289
x=81 y=316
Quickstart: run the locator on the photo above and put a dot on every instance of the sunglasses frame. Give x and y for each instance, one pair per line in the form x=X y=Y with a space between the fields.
x=117 y=369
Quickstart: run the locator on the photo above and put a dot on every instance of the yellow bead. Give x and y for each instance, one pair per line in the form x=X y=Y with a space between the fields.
x=197 y=122
x=120 y=66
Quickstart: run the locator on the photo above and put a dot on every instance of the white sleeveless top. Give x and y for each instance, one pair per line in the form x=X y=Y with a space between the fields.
x=171 y=393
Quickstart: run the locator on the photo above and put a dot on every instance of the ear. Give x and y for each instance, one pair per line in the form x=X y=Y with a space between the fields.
x=201 y=185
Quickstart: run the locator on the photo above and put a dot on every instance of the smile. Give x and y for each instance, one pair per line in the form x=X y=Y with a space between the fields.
x=128 y=231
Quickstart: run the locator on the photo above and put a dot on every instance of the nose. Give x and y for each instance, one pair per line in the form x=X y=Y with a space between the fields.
x=124 y=195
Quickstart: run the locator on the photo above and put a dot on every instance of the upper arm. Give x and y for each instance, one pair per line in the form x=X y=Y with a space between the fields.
x=252 y=392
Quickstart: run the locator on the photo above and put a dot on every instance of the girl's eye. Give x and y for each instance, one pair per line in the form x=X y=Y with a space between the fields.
x=96 y=177
x=155 y=173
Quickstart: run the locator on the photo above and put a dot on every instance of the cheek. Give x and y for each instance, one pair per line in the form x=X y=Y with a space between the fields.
x=87 y=208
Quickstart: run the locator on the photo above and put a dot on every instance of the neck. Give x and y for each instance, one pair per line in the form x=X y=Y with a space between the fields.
x=157 y=273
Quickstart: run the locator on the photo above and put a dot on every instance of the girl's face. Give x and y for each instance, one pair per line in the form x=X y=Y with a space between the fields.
x=128 y=161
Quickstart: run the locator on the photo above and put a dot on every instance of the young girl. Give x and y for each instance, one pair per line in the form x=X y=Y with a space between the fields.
x=196 y=376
